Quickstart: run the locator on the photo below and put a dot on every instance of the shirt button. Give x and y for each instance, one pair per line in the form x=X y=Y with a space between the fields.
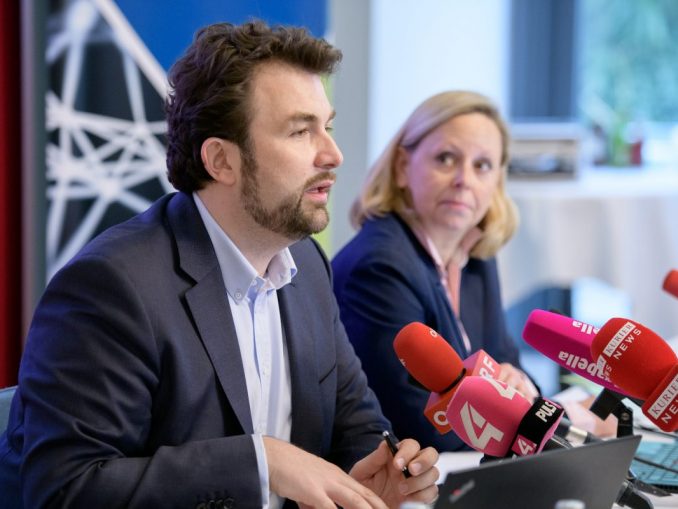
x=238 y=295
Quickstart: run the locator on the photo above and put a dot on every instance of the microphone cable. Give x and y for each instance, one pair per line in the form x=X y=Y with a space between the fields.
x=656 y=431
x=656 y=465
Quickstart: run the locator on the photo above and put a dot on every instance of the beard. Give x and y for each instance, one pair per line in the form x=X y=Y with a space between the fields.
x=288 y=218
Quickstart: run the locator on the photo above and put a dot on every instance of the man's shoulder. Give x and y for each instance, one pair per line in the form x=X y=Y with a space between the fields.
x=135 y=234
x=309 y=257
x=307 y=247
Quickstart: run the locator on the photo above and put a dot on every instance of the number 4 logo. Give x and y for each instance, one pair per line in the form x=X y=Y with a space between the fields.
x=504 y=390
x=471 y=419
x=526 y=446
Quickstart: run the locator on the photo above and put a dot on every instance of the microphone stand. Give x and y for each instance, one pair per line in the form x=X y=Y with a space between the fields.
x=610 y=403
x=629 y=496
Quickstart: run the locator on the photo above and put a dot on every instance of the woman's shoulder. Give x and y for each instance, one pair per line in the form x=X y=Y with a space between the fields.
x=377 y=236
x=481 y=265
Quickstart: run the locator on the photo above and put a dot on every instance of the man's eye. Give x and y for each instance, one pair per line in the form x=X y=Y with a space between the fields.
x=301 y=132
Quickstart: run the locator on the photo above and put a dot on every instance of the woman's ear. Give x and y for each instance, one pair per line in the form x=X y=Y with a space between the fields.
x=402 y=159
x=221 y=159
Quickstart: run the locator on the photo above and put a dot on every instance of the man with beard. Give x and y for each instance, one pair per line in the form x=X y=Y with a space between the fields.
x=193 y=356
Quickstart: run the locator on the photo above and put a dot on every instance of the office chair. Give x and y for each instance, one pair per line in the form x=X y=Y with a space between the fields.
x=6 y=396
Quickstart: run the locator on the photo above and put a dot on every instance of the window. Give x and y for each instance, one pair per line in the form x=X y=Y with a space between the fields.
x=628 y=73
x=610 y=65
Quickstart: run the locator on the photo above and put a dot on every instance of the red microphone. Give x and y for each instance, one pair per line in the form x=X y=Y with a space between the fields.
x=434 y=364
x=671 y=283
x=494 y=418
x=643 y=364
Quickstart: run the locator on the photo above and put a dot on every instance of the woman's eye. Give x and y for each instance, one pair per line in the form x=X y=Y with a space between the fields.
x=484 y=166
x=446 y=158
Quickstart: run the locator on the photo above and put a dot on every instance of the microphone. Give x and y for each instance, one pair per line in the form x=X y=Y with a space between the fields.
x=671 y=283
x=490 y=417
x=495 y=419
x=574 y=435
x=432 y=362
x=566 y=342
x=643 y=364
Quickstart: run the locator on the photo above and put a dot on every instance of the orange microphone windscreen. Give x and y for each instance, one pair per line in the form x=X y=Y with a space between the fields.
x=427 y=357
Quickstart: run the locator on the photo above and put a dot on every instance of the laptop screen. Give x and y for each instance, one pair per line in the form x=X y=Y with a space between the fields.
x=591 y=473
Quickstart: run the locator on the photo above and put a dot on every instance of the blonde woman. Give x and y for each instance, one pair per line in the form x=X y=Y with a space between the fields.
x=431 y=216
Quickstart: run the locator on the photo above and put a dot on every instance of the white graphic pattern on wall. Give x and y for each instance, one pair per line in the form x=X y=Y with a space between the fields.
x=105 y=153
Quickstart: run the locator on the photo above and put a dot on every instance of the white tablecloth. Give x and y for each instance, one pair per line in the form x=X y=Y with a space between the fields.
x=617 y=225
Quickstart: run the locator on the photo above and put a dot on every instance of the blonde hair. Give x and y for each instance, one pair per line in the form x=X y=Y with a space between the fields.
x=381 y=194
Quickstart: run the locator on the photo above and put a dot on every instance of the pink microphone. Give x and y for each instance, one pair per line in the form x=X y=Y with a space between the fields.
x=568 y=343
x=494 y=418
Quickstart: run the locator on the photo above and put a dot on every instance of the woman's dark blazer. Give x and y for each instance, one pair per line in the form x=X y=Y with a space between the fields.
x=383 y=280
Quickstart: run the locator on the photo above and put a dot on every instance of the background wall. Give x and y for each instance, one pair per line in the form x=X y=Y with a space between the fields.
x=419 y=52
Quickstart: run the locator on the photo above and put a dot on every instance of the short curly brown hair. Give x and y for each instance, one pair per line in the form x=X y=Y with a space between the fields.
x=210 y=88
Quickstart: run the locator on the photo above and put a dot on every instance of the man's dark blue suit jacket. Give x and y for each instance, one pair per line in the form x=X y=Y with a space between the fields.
x=385 y=279
x=131 y=388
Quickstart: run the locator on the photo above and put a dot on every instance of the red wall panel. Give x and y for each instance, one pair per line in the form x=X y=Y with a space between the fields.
x=10 y=193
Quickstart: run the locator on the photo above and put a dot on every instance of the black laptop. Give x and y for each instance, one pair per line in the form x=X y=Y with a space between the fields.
x=591 y=473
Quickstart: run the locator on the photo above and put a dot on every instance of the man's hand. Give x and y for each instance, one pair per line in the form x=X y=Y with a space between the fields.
x=382 y=473
x=313 y=482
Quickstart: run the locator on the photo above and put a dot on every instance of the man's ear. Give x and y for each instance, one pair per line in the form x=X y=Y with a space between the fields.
x=402 y=159
x=221 y=159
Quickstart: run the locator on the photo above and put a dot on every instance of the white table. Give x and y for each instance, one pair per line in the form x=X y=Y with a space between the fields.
x=617 y=225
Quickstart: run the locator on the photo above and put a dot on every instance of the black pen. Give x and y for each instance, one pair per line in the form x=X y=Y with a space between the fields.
x=394 y=449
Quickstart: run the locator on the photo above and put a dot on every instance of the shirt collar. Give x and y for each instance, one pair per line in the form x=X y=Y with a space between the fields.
x=426 y=241
x=238 y=273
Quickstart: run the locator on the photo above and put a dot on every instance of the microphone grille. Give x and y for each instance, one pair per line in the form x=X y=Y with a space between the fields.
x=636 y=358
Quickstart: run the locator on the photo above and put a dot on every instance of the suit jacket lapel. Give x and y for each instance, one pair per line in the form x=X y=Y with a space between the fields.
x=301 y=348
x=208 y=303
x=472 y=310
